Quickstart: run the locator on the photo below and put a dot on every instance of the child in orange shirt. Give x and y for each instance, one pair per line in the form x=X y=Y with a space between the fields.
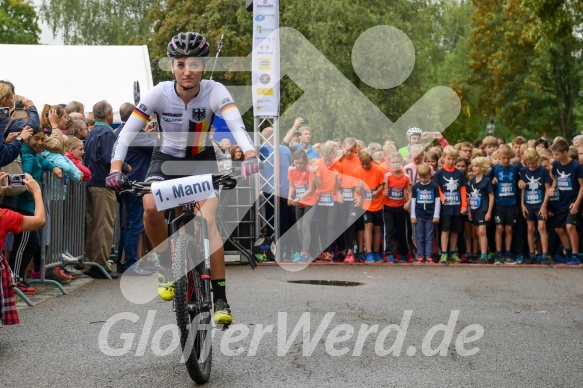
x=302 y=195
x=328 y=190
x=397 y=199
x=346 y=214
x=369 y=191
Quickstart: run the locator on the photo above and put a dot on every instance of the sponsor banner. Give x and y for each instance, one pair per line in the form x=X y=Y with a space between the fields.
x=265 y=58
x=175 y=192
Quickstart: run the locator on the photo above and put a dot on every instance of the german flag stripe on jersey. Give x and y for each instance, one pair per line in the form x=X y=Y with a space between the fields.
x=228 y=108
x=199 y=136
x=140 y=115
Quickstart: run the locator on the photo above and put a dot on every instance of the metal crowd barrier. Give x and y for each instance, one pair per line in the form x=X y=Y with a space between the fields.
x=63 y=237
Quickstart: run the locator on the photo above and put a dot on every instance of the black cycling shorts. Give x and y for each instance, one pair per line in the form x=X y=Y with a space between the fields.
x=164 y=166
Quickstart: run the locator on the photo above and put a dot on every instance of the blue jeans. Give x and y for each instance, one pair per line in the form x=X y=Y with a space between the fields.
x=425 y=231
x=134 y=211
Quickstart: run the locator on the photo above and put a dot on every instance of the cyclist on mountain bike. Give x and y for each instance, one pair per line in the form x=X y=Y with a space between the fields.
x=185 y=109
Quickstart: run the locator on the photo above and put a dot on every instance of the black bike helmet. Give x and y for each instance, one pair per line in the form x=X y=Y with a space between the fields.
x=188 y=44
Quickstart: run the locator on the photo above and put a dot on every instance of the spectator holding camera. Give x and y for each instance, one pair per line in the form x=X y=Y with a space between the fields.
x=16 y=223
x=15 y=132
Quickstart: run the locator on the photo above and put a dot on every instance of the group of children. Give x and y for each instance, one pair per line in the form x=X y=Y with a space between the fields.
x=466 y=206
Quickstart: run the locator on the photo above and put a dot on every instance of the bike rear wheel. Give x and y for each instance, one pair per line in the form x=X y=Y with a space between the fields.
x=192 y=317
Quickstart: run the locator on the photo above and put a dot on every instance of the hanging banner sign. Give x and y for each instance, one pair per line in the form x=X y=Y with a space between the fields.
x=265 y=58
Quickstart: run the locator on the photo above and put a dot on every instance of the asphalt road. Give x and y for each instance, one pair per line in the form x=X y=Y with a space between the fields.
x=531 y=321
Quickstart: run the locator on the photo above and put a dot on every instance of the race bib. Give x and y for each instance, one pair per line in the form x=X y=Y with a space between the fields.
x=326 y=199
x=396 y=194
x=347 y=194
x=425 y=196
x=452 y=198
x=301 y=190
x=534 y=197
x=475 y=202
x=506 y=189
x=368 y=195
x=564 y=183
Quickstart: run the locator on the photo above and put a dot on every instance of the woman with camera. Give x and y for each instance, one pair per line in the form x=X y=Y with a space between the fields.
x=15 y=132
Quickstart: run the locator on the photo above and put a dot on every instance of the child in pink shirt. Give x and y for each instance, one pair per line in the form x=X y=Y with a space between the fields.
x=75 y=151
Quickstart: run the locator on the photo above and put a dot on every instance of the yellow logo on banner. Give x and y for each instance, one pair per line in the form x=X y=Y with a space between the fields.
x=265 y=91
x=264 y=63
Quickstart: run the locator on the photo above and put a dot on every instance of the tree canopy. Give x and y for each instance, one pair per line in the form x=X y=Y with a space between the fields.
x=18 y=22
x=517 y=63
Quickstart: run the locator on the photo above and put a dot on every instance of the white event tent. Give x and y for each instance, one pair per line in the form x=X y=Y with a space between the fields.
x=58 y=74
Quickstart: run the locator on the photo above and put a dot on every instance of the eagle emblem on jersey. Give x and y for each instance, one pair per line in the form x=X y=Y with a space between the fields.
x=198 y=114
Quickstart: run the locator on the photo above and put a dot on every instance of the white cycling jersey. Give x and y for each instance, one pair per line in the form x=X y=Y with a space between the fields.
x=184 y=128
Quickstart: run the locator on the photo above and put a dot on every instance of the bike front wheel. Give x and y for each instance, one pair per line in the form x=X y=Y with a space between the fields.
x=193 y=319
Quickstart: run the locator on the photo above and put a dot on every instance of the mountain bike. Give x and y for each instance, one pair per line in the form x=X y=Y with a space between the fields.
x=189 y=245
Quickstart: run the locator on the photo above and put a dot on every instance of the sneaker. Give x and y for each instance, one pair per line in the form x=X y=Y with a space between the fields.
x=410 y=257
x=498 y=260
x=305 y=258
x=549 y=260
x=530 y=260
x=222 y=314
x=390 y=259
x=378 y=257
x=464 y=258
x=25 y=288
x=327 y=257
x=61 y=273
x=509 y=260
x=349 y=258
x=296 y=256
x=360 y=257
x=560 y=259
x=369 y=258
x=455 y=258
x=482 y=260
x=574 y=260
x=420 y=259
x=165 y=285
x=520 y=259
x=66 y=270
x=443 y=258
x=338 y=257
x=35 y=274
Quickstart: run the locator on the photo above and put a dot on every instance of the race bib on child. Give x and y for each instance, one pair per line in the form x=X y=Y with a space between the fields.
x=326 y=199
x=564 y=183
x=534 y=197
x=301 y=190
x=452 y=198
x=506 y=189
x=368 y=195
x=425 y=196
x=396 y=194
x=475 y=202
x=347 y=194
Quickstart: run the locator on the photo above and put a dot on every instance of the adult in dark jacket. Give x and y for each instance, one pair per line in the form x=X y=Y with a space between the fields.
x=100 y=205
x=9 y=145
x=138 y=156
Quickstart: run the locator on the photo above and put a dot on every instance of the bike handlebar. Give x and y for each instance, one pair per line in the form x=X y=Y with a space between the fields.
x=225 y=179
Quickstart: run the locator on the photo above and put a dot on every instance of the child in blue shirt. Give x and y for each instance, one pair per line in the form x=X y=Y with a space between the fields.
x=425 y=208
x=537 y=181
x=505 y=178
x=481 y=203
x=568 y=179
